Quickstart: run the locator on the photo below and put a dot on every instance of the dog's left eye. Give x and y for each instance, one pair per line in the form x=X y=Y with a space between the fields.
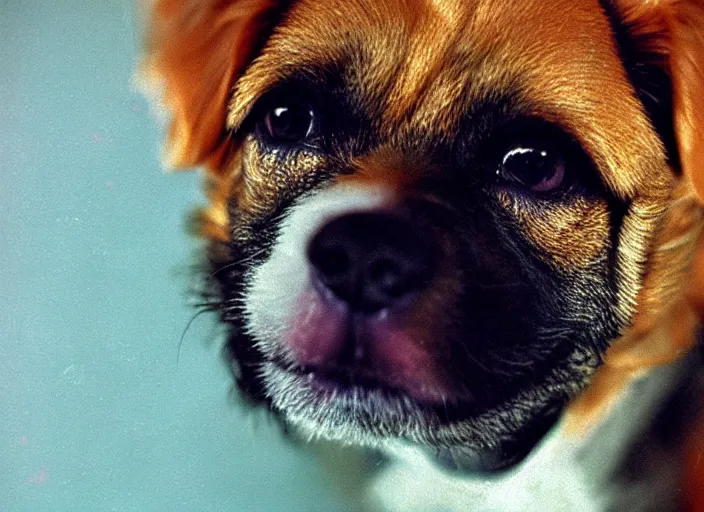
x=538 y=169
x=289 y=123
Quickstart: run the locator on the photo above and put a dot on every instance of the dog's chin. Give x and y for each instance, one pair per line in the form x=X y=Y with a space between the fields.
x=356 y=410
x=363 y=410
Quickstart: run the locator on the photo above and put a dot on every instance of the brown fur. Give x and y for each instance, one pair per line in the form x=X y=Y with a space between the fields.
x=670 y=303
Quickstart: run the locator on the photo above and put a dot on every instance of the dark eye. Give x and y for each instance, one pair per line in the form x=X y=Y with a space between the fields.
x=289 y=123
x=534 y=168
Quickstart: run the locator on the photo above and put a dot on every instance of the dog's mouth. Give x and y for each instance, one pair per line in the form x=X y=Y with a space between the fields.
x=366 y=387
x=336 y=351
x=368 y=397
x=348 y=380
x=368 y=374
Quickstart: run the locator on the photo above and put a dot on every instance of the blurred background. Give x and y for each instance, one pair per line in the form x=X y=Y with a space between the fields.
x=95 y=413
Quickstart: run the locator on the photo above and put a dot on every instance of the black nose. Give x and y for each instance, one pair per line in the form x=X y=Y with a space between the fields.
x=371 y=260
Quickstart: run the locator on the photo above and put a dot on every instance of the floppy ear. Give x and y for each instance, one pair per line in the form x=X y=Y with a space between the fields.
x=675 y=29
x=664 y=326
x=195 y=51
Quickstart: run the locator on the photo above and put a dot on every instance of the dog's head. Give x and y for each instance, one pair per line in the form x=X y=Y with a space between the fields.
x=430 y=218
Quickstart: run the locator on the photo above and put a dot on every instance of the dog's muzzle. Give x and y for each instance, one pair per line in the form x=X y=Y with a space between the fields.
x=367 y=273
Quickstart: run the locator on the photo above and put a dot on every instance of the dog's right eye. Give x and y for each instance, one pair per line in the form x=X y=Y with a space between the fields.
x=541 y=159
x=537 y=169
x=289 y=123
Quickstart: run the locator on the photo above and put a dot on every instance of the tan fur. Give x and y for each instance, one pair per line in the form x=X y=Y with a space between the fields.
x=676 y=29
x=571 y=237
x=663 y=328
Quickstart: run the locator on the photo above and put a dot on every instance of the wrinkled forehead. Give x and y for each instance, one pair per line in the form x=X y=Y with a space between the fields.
x=418 y=63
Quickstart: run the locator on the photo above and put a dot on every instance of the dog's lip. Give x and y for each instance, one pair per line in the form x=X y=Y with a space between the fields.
x=343 y=349
x=329 y=384
x=341 y=379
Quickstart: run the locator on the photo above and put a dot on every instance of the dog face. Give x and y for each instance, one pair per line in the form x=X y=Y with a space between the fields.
x=429 y=218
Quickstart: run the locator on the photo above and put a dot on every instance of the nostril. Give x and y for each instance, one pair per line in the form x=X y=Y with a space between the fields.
x=332 y=261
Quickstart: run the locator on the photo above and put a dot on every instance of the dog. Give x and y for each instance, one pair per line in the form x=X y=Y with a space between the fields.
x=462 y=233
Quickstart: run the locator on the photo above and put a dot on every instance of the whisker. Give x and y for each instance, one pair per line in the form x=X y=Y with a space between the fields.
x=205 y=309
x=473 y=359
x=444 y=404
x=238 y=262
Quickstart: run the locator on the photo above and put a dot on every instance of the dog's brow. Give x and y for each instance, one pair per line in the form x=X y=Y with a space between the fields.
x=247 y=91
x=262 y=79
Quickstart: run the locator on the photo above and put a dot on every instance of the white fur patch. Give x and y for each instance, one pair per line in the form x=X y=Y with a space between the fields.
x=563 y=474
x=274 y=287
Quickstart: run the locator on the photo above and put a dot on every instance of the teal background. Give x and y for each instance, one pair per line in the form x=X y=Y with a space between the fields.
x=95 y=414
